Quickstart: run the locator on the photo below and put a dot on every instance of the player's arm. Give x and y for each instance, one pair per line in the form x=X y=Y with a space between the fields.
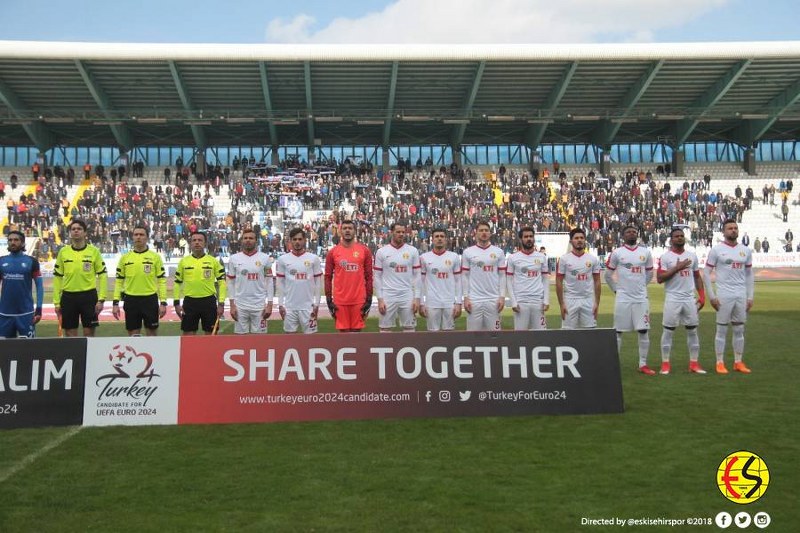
x=648 y=269
x=177 y=289
x=316 y=287
x=609 y=275
x=501 y=284
x=222 y=289
x=58 y=283
x=416 y=280
x=377 y=272
x=598 y=287
x=701 y=292
x=161 y=282
x=119 y=282
x=270 y=294
x=546 y=289
x=329 y=265
x=465 y=288
x=102 y=277
x=750 y=282
x=368 y=281
x=509 y=290
x=36 y=273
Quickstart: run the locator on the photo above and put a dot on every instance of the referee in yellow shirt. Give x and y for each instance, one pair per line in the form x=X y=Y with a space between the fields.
x=142 y=283
x=79 y=283
x=197 y=277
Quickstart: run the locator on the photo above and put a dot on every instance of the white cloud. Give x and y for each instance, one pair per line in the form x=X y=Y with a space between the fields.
x=498 y=21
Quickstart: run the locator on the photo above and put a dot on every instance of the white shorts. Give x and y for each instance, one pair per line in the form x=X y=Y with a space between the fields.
x=484 y=317
x=299 y=319
x=249 y=322
x=401 y=312
x=530 y=317
x=440 y=319
x=678 y=313
x=732 y=310
x=631 y=316
x=579 y=313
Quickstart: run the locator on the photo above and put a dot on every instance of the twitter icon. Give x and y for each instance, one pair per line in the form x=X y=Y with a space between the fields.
x=464 y=396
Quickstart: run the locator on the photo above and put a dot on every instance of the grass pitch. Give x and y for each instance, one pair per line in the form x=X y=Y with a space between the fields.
x=534 y=473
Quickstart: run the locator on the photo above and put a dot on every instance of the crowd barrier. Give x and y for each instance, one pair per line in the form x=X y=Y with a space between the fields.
x=236 y=379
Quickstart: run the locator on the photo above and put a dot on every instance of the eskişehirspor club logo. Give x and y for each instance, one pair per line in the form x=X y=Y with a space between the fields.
x=743 y=477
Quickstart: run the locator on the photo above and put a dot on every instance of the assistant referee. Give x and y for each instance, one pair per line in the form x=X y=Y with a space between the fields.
x=79 y=283
x=198 y=277
x=142 y=283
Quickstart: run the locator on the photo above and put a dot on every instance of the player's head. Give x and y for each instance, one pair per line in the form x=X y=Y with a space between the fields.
x=730 y=230
x=16 y=241
x=77 y=230
x=297 y=239
x=398 y=233
x=483 y=233
x=677 y=238
x=249 y=240
x=348 y=230
x=577 y=238
x=197 y=243
x=527 y=238
x=630 y=234
x=439 y=238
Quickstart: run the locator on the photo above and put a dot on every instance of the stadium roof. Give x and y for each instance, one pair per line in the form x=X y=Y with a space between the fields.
x=220 y=94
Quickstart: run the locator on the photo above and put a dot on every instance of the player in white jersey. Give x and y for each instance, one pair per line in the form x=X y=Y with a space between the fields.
x=483 y=272
x=632 y=266
x=299 y=280
x=397 y=276
x=679 y=271
x=250 y=286
x=528 y=283
x=578 y=284
x=733 y=299
x=441 y=284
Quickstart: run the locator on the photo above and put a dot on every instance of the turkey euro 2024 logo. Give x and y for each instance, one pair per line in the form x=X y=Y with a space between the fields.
x=132 y=378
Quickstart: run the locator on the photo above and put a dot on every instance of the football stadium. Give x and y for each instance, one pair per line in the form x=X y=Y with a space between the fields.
x=221 y=152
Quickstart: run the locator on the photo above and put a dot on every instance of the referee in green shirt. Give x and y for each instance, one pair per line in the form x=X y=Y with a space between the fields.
x=79 y=283
x=142 y=283
x=197 y=277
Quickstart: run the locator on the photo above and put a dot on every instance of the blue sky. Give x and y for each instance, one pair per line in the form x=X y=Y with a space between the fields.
x=397 y=21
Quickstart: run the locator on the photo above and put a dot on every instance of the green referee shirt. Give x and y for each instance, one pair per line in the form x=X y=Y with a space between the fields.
x=197 y=278
x=141 y=274
x=78 y=270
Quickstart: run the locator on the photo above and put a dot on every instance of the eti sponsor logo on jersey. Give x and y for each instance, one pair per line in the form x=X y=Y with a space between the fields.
x=743 y=477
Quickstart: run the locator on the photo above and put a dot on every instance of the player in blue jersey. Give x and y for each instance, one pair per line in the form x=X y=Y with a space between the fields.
x=18 y=273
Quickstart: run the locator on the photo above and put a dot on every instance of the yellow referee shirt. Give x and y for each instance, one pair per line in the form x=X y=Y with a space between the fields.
x=141 y=274
x=198 y=278
x=79 y=271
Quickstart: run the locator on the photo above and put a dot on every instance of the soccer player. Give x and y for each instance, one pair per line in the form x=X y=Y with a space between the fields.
x=397 y=275
x=299 y=275
x=250 y=286
x=528 y=283
x=679 y=271
x=632 y=265
x=80 y=283
x=733 y=299
x=348 y=280
x=483 y=272
x=18 y=273
x=199 y=277
x=578 y=284
x=142 y=283
x=441 y=284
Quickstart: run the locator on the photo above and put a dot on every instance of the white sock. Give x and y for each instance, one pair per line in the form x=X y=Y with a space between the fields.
x=644 y=347
x=666 y=344
x=719 y=341
x=693 y=343
x=738 y=342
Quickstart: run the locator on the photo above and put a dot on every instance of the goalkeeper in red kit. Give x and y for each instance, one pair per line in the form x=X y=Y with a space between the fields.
x=348 y=280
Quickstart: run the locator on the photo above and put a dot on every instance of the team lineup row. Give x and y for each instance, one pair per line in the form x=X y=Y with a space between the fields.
x=438 y=285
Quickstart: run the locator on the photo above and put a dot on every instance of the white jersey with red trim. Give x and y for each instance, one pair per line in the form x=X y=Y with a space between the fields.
x=250 y=280
x=578 y=272
x=525 y=271
x=680 y=287
x=301 y=277
x=631 y=266
x=396 y=268
x=730 y=264
x=484 y=271
x=441 y=279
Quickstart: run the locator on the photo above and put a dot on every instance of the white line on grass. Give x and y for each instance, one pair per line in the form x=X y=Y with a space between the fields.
x=30 y=459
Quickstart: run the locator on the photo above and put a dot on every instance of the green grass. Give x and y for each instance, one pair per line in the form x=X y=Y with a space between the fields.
x=536 y=473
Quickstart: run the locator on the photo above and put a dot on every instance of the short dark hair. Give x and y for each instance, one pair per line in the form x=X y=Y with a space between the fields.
x=79 y=222
x=482 y=223
x=575 y=231
x=346 y=222
x=626 y=226
x=525 y=229
x=395 y=224
x=297 y=231
x=16 y=232
x=673 y=230
x=729 y=221
x=141 y=227
x=249 y=230
x=439 y=230
x=198 y=233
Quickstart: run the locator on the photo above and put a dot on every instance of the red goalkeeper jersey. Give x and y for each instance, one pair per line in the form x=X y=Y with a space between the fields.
x=348 y=274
